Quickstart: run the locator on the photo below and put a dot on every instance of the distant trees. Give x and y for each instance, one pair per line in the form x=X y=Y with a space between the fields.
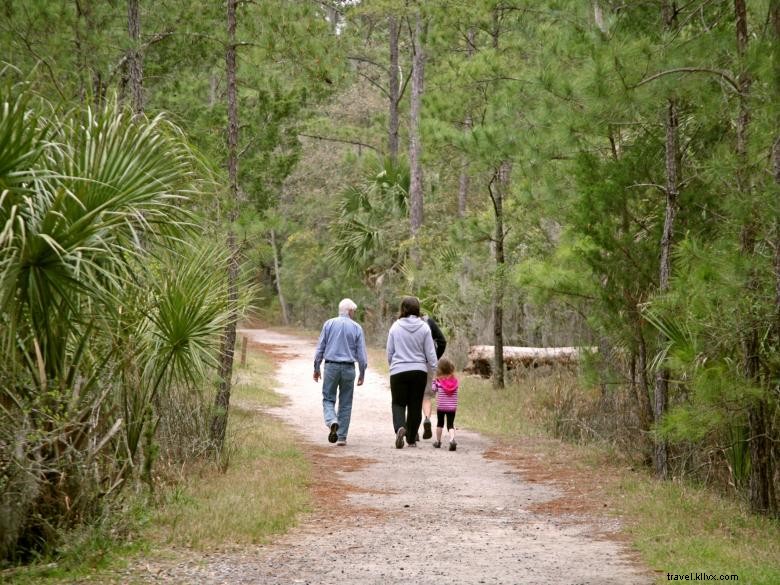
x=622 y=151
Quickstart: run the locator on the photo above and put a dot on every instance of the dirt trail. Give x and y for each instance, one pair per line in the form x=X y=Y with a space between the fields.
x=411 y=515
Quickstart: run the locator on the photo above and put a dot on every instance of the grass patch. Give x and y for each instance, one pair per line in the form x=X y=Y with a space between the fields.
x=88 y=550
x=496 y=413
x=677 y=527
x=263 y=489
x=681 y=529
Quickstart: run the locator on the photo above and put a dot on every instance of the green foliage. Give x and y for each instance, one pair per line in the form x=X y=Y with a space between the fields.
x=90 y=196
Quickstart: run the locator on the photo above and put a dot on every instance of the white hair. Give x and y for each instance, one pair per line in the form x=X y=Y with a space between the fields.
x=346 y=305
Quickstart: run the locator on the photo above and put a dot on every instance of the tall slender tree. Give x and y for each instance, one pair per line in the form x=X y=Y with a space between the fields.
x=222 y=400
x=394 y=92
x=499 y=184
x=135 y=72
x=672 y=165
x=415 y=141
x=761 y=484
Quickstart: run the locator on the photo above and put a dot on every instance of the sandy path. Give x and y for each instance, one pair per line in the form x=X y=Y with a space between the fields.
x=412 y=515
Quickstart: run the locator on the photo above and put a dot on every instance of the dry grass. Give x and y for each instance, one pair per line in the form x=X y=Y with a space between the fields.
x=263 y=489
x=676 y=527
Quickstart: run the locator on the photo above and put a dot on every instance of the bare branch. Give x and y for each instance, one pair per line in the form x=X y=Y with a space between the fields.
x=329 y=139
x=403 y=87
x=653 y=185
x=369 y=61
x=717 y=72
x=374 y=83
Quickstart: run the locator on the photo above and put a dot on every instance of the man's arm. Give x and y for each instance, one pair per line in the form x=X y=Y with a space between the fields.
x=320 y=351
x=362 y=356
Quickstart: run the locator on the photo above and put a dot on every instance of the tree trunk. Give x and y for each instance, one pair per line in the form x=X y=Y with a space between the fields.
x=672 y=194
x=598 y=16
x=774 y=19
x=501 y=182
x=213 y=86
x=392 y=131
x=761 y=482
x=89 y=75
x=278 y=279
x=482 y=357
x=463 y=183
x=222 y=400
x=671 y=123
x=135 y=71
x=415 y=163
x=643 y=388
x=333 y=19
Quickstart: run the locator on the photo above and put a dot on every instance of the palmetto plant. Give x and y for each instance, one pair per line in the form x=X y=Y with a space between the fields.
x=102 y=304
x=371 y=221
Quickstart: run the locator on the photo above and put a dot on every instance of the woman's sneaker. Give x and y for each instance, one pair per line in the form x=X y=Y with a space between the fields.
x=437 y=444
x=399 y=438
x=453 y=445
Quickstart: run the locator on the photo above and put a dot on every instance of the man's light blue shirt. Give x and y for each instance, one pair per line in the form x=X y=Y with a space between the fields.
x=341 y=340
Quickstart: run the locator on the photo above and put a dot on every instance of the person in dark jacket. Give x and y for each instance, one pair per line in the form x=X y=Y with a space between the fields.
x=440 y=343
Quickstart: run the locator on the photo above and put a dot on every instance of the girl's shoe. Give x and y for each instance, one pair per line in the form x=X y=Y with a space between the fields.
x=437 y=444
x=453 y=445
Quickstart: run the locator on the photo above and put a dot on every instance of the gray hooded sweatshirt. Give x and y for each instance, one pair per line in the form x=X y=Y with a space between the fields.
x=410 y=346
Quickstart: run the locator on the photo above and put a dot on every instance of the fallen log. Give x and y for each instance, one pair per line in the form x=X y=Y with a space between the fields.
x=481 y=357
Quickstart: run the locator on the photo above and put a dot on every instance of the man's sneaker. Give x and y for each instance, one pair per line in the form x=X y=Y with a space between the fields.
x=411 y=444
x=399 y=438
x=427 y=434
x=341 y=442
x=453 y=445
x=333 y=435
x=437 y=444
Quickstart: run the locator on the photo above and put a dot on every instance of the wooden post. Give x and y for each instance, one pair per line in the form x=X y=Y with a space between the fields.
x=244 y=343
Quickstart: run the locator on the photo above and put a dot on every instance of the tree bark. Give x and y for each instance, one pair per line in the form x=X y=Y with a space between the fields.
x=394 y=90
x=671 y=123
x=774 y=19
x=463 y=182
x=761 y=481
x=498 y=188
x=598 y=16
x=415 y=147
x=672 y=195
x=278 y=279
x=482 y=357
x=222 y=400
x=135 y=71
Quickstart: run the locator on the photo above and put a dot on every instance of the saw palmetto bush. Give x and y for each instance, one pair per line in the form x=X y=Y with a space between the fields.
x=102 y=307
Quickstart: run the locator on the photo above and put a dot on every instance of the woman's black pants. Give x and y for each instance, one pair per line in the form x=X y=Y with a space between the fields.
x=407 y=389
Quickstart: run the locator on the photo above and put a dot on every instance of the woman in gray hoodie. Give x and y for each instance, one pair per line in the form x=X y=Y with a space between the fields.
x=410 y=353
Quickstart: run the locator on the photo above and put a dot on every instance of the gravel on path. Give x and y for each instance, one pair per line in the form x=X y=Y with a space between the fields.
x=417 y=516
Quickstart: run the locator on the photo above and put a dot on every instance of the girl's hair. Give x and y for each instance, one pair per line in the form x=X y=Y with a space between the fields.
x=445 y=367
x=409 y=306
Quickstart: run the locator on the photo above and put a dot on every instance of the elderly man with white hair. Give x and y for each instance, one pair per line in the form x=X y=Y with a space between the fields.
x=341 y=344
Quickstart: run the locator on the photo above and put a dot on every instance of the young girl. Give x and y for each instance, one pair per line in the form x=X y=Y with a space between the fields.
x=446 y=388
